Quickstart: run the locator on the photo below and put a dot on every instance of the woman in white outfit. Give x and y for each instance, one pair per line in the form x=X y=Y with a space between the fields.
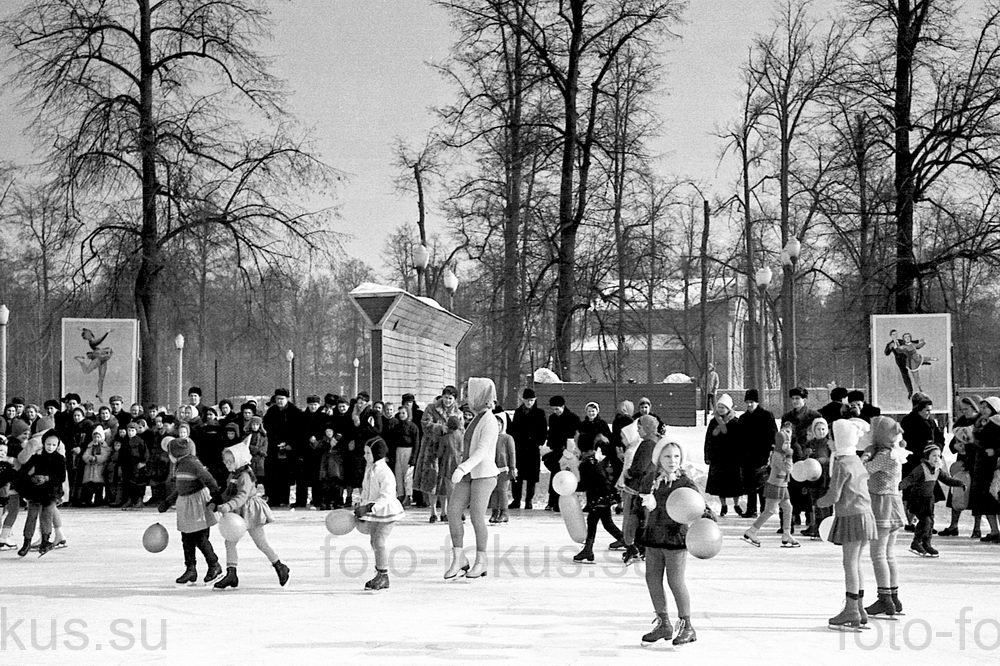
x=474 y=479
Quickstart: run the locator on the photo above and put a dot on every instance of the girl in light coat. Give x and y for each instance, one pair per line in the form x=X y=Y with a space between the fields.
x=379 y=508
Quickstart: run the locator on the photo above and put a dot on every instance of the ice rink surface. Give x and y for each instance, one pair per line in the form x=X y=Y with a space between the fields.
x=106 y=600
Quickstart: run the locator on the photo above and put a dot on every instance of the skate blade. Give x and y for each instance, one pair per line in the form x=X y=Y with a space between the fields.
x=791 y=545
x=662 y=645
x=891 y=618
x=844 y=628
x=755 y=544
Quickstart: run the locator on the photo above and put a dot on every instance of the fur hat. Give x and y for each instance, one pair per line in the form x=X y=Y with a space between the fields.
x=855 y=396
x=194 y=390
x=528 y=394
x=233 y=428
x=557 y=401
x=283 y=392
x=751 y=395
x=838 y=393
x=798 y=392
x=314 y=399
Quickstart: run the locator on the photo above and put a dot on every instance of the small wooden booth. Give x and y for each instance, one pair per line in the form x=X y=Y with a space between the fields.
x=413 y=342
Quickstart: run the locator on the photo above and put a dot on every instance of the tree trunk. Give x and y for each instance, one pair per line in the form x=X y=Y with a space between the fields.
x=704 y=305
x=907 y=31
x=150 y=260
x=750 y=344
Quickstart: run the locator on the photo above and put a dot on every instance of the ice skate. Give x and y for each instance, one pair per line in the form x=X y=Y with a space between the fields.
x=631 y=555
x=861 y=610
x=459 y=563
x=478 y=569
x=227 y=581
x=662 y=631
x=930 y=550
x=883 y=609
x=617 y=545
x=918 y=549
x=45 y=546
x=848 y=619
x=214 y=571
x=894 y=595
x=25 y=548
x=282 y=571
x=503 y=517
x=379 y=582
x=189 y=576
x=751 y=539
x=790 y=543
x=587 y=554
x=685 y=632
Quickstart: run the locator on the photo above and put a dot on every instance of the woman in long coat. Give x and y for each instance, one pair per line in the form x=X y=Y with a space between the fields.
x=426 y=471
x=722 y=454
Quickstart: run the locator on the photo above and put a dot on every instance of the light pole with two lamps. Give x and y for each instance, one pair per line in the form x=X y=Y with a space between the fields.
x=790 y=259
x=420 y=258
x=179 y=344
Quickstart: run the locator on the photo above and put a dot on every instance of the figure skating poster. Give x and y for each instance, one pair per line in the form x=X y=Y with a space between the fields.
x=911 y=353
x=99 y=358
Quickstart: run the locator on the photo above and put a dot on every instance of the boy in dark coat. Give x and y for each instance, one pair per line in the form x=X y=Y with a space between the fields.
x=923 y=492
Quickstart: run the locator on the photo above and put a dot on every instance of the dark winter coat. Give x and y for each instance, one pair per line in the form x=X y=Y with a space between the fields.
x=924 y=489
x=561 y=428
x=918 y=432
x=597 y=480
x=723 y=457
x=41 y=478
x=757 y=430
x=529 y=430
x=588 y=432
x=662 y=531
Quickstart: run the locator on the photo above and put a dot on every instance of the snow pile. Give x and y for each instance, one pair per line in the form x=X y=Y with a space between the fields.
x=677 y=378
x=546 y=376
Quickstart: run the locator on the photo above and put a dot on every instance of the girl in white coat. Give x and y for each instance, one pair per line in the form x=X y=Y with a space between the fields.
x=474 y=479
x=379 y=507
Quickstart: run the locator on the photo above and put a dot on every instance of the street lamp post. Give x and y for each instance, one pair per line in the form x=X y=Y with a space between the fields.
x=290 y=357
x=451 y=286
x=763 y=278
x=790 y=258
x=420 y=258
x=4 y=319
x=356 y=364
x=179 y=344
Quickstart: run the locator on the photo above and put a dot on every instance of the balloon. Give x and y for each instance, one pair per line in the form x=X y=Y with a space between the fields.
x=704 y=539
x=825 y=527
x=232 y=527
x=813 y=468
x=364 y=526
x=572 y=515
x=340 y=522
x=685 y=505
x=799 y=471
x=155 y=538
x=564 y=483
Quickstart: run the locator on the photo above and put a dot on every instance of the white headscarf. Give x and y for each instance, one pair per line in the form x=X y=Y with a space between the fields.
x=240 y=453
x=482 y=392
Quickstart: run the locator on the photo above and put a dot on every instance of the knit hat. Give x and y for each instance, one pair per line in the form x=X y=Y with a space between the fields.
x=179 y=447
x=751 y=395
x=931 y=448
x=594 y=405
x=240 y=452
x=645 y=401
x=557 y=401
x=816 y=422
x=921 y=401
x=855 y=396
x=885 y=431
x=18 y=428
x=846 y=436
x=994 y=403
x=662 y=444
x=378 y=446
x=98 y=430
x=726 y=401
x=528 y=394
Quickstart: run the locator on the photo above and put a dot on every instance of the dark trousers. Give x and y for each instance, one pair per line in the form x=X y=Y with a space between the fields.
x=302 y=487
x=925 y=525
x=603 y=515
x=278 y=485
x=198 y=540
x=517 y=486
x=39 y=513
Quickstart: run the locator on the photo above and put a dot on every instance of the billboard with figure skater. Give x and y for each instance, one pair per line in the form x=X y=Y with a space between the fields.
x=100 y=358
x=911 y=354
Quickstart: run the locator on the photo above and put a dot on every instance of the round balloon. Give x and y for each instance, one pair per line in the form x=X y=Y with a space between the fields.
x=364 y=526
x=340 y=522
x=812 y=468
x=232 y=527
x=564 y=483
x=155 y=538
x=704 y=539
x=685 y=505
x=799 y=471
x=825 y=527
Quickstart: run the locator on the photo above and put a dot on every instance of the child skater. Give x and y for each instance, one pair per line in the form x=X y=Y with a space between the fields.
x=42 y=478
x=666 y=548
x=379 y=507
x=924 y=492
x=240 y=497
x=597 y=481
x=193 y=489
x=884 y=462
x=817 y=447
x=776 y=491
x=853 y=521
x=507 y=464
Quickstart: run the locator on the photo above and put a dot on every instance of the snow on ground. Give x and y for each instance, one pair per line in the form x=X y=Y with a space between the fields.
x=105 y=600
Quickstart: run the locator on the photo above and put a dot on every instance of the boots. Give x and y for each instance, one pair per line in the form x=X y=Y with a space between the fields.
x=214 y=571
x=894 y=594
x=884 y=606
x=478 y=569
x=861 y=609
x=6 y=541
x=685 y=632
x=45 y=546
x=23 y=550
x=617 y=544
x=229 y=580
x=458 y=563
x=282 y=572
x=190 y=575
x=631 y=555
x=503 y=517
x=929 y=549
x=662 y=630
x=494 y=516
x=379 y=582
x=587 y=554
x=849 y=618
